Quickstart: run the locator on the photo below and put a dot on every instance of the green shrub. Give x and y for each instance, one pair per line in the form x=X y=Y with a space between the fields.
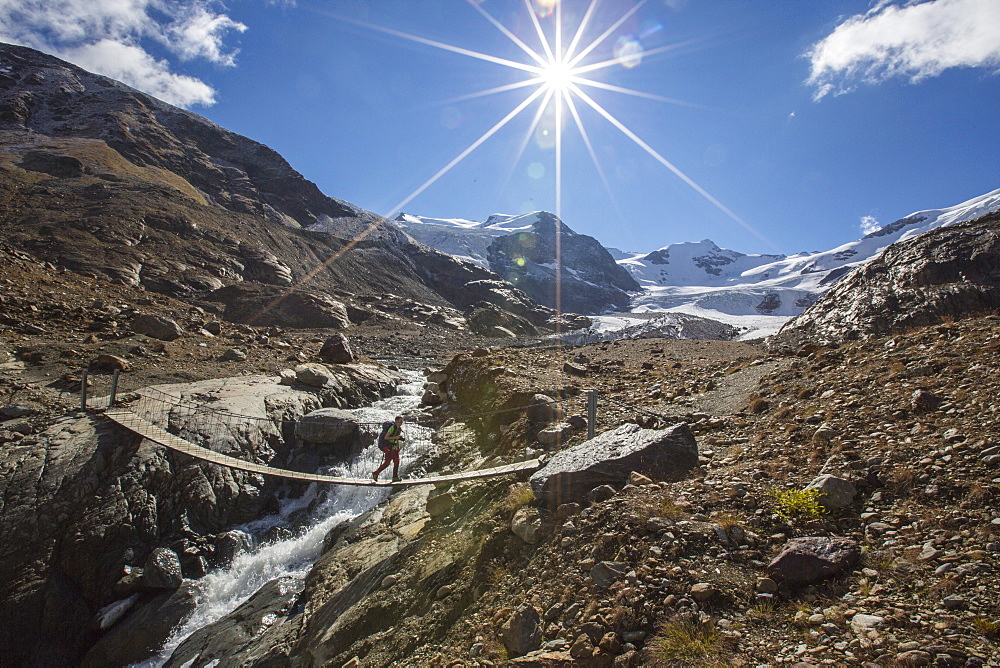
x=793 y=504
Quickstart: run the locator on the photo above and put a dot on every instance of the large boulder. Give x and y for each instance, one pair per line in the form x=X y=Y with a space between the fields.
x=330 y=432
x=806 y=560
x=337 y=350
x=327 y=426
x=156 y=326
x=269 y=305
x=522 y=632
x=608 y=459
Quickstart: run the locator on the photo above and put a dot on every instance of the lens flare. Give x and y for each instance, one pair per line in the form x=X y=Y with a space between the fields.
x=628 y=51
x=544 y=8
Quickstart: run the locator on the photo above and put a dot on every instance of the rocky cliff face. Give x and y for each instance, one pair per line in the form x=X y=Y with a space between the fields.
x=86 y=503
x=562 y=269
x=946 y=273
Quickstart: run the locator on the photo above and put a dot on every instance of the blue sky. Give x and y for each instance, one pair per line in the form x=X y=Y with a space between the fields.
x=764 y=126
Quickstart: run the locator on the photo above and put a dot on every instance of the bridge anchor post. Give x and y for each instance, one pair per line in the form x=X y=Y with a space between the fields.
x=591 y=413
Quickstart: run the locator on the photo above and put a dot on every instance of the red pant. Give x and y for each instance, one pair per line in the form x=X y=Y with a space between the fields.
x=390 y=456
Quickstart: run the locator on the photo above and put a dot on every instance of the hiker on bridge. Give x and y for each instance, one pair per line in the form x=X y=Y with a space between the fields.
x=388 y=443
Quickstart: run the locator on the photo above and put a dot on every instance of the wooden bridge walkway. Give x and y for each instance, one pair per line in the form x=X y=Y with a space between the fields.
x=148 y=430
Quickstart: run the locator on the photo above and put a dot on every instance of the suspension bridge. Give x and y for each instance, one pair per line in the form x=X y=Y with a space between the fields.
x=182 y=422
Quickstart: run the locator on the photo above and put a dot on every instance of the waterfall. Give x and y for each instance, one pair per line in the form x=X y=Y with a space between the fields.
x=223 y=590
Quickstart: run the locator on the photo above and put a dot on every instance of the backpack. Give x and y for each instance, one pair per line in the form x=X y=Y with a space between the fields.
x=386 y=426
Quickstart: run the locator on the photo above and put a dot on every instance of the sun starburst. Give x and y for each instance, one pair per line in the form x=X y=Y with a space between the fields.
x=557 y=74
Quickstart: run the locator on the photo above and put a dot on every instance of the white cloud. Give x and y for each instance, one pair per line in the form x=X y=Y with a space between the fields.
x=138 y=69
x=914 y=40
x=199 y=33
x=869 y=224
x=109 y=37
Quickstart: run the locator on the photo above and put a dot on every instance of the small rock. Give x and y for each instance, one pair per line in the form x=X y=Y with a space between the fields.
x=862 y=622
x=834 y=493
x=105 y=362
x=766 y=586
x=914 y=657
x=601 y=494
x=923 y=400
x=526 y=524
x=638 y=479
x=234 y=355
x=606 y=573
x=703 y=591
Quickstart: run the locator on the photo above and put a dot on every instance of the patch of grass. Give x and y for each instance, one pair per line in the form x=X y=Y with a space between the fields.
x=518 y=495
x=901 y=480
x=761 y=610
x=685 y=643
x=669 y=508
x=796 y=504
x=727 y=519
x=988 y=627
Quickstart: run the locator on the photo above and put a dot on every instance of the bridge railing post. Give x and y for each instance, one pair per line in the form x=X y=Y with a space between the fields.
x=591 y=413
x=83 y=390
x=114 y=389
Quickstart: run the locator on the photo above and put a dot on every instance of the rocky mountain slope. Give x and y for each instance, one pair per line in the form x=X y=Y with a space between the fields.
x=106 y=181
x=761 y=291
x=948 y=272
x=536 y=252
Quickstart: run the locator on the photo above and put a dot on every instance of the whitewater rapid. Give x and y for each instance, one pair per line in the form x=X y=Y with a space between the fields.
x=223 y=590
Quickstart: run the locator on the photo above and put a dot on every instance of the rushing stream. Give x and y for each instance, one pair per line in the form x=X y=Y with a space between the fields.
x=222 y=591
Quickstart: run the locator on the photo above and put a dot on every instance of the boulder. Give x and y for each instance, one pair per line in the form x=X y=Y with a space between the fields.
x=522 y=632
x=156 y=326
x=924 y=400
x=234 y=355
x=606 y=573
x=162 y=570
x=834 y=493
x=544 y=410
x=527 y=524
x=269 y=305
x=327 y=426
x=609 y=459
x=554 y=435
x=140 y=635
x=313 y=375
x=601 y=493
x=948 y=272
x=807 y=560
x=108 y=363
x=337 y=350
x=14 y=411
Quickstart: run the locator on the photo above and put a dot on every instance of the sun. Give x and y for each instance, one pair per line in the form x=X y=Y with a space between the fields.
x=557 y=76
